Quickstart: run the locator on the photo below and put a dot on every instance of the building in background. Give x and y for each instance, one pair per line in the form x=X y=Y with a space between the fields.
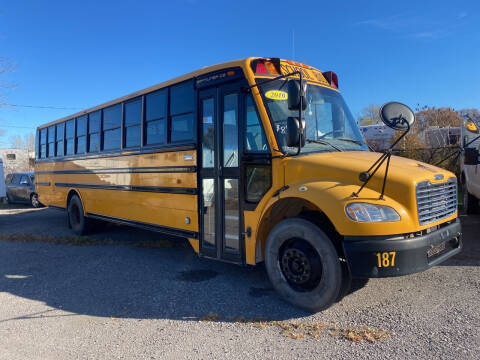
x=437 y=137
x=17 y=160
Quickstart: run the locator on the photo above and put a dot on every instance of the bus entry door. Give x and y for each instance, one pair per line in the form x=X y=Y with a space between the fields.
x=220 y=189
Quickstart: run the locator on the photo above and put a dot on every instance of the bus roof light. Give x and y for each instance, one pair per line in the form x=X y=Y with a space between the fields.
x=271 y=68
x=261 y=69
x=332 y=78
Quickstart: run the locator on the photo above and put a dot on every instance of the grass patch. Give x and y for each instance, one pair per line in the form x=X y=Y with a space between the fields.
x=302 y=330
x=361 y=333
x=90 y=241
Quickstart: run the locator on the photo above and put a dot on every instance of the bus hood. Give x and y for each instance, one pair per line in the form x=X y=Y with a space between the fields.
x=343 y=169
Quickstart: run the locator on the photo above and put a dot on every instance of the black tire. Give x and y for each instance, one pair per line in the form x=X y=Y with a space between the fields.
x=311 y=281
x=470 y=202
x=79 y=224
x=34 y=200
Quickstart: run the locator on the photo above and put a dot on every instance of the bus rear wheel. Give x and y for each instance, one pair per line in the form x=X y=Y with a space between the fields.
x=303 y=265
x=78 y=222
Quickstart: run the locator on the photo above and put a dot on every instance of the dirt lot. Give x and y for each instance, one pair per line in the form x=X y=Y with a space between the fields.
x=134 y=294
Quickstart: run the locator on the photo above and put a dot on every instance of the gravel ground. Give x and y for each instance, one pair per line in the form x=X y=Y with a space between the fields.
x=127 y=301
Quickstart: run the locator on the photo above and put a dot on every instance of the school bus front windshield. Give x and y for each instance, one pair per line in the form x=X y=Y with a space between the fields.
x=329 y=125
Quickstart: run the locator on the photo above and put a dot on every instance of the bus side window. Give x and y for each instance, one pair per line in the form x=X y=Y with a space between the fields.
x=82 y=134
x=181 y=112
x=255 y=139
x=51 y=141
x=43 y=143
x=59 y=143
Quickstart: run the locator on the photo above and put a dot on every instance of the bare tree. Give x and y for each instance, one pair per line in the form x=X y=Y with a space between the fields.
x=25 y=143
x=369 y=115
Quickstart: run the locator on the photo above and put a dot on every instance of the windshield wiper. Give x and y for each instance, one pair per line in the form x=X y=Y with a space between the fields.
x=323 y=142
x=350 y=140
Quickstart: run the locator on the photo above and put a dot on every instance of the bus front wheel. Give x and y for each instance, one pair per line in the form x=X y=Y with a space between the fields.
x=76 y=217
x=303 y=265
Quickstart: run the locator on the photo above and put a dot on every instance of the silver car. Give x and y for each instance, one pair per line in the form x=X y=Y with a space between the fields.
x=21 y=189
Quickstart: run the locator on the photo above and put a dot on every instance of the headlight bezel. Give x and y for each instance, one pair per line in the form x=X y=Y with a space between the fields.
x=364 y=212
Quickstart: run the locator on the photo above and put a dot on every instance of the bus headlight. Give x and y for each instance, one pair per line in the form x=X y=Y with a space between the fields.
x=365 y=212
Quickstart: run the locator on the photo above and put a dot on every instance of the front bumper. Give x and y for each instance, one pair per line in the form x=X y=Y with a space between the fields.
x=386 y=256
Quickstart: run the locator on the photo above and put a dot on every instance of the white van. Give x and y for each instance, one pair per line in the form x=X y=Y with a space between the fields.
x=2 y=181
x=469 y=165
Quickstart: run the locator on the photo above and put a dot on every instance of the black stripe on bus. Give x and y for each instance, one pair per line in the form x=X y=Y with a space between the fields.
x=42 y=183
x=136 y=170
x=147 y=226
x=155 y=189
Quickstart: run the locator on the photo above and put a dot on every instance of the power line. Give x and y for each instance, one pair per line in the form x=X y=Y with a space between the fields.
x=42 y=107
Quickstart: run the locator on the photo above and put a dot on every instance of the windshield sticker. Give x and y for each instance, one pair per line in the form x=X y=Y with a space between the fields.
x=276 y=95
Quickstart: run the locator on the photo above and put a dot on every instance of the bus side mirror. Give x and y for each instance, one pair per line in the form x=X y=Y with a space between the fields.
x=297 y=91
x=470 y=156
x=293 y=132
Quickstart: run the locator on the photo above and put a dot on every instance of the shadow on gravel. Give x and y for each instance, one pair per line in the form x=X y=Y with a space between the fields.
x=149 y=276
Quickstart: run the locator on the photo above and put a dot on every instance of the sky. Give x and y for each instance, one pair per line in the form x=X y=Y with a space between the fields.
x=72 y=55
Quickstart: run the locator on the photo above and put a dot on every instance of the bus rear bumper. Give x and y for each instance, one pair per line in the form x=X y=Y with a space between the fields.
x=387 y=256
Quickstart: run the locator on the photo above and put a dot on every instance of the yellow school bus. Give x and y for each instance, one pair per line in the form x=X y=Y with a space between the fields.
x=220 y=156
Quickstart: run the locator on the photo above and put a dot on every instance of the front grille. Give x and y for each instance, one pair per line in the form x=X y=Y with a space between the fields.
x=436 y=201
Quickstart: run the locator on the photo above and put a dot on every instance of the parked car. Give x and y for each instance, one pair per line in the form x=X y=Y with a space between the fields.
x=21 y=189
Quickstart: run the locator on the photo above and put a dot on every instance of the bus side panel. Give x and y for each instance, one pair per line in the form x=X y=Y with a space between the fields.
x=156 y=188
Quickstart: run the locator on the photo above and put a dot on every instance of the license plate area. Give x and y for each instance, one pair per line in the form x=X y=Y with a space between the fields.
x=442 y=248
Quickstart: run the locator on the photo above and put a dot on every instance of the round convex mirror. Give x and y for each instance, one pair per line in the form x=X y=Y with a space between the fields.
x=397 y=115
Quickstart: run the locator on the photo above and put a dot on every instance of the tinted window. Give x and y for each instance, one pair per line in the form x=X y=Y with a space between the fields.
x=70 y=137
x=259 y=180
x=94 y=142
x=70 y=146
x=156 y=121
x=70 y=130
x=51 y=149
x=82 y=125
x=60 y=130
x=43 y=143
x=112 y=117
x=182 y=127
x=24 y=179
x=81 y=144
x=111 y=139
x=133 y=112
x=181 y=98
x=94 y=122
x=51 y=134
x=16 y=179
x=51 y=141
x=132 y=136
x=8 y=179
x=43 y=136
x=156 y=105
x=156 y=132
x=59 y=148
